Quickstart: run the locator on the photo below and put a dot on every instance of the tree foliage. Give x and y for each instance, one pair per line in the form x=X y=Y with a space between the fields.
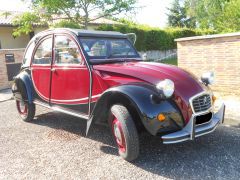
x=177 y=16
x=220 y=15
x=69 y=12
x=25 y=23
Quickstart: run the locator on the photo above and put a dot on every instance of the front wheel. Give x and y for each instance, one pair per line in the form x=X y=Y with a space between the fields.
x=124 y=132
x=25 y=110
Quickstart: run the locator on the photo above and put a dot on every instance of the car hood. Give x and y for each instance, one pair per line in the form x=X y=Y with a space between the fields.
x=186 y=85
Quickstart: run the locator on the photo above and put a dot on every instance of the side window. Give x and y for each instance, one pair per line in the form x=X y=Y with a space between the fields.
x=121 y=48
x=99 y=48
x=66 y=51
x=43 y=54
x=28 y=54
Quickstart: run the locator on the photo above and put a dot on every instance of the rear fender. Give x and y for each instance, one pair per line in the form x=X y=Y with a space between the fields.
x=22 y=87
x=140 y=97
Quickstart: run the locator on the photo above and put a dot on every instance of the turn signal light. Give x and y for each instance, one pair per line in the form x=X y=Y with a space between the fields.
x=214 y=98
x=161 y=117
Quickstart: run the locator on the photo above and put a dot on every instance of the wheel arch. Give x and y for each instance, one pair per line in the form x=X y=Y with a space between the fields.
x=138 y=100
x=116 y=97
x=22 y=87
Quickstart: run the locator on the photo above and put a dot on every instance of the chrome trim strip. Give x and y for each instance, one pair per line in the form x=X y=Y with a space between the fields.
x=197 y=95
x=74 y=100
x=41 y=104
x=61 y=110
x=137 y=58
x=70 y=113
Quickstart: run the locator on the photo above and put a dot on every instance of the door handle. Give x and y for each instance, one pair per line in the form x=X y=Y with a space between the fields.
x=53 y=69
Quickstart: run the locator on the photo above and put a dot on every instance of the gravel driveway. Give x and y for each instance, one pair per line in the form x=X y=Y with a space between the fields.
x=54 y=146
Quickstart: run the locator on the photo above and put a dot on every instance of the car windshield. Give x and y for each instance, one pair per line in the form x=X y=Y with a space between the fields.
x=100 y=50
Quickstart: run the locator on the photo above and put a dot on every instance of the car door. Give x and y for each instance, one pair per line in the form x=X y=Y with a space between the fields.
x=41 y=68
x=70 y=82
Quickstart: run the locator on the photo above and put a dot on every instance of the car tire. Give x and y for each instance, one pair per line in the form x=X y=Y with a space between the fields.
x=124 y=132
x=25 y=110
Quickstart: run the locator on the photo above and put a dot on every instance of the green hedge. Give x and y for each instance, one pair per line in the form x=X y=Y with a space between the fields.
x=154 y=38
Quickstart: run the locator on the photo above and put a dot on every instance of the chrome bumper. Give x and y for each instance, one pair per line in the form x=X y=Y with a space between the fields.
x=191 y=131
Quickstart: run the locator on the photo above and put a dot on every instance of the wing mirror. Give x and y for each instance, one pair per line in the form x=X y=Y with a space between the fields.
x=208 y=78
x=132 y=37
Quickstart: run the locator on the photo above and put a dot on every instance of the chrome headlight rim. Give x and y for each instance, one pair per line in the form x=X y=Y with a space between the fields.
x=166 y=87
x=208 y=78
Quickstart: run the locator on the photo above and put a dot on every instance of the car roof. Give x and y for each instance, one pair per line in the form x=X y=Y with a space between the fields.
x=85 y=33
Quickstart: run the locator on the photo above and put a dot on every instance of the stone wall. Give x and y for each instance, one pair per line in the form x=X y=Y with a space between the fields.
x=18 y=56
x=217 y=53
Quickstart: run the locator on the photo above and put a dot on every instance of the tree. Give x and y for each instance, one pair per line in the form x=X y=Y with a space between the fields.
x=177 y=16
x=80 y=12
x=220 y=15
x=6 y=14
x=25 y=23
x=229 y=21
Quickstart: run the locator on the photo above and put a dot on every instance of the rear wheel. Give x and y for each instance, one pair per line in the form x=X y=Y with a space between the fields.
x=124 y=132
x=25 y=110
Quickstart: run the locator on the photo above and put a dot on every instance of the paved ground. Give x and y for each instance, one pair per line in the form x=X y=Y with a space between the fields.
x=54 y=146
x=5 y=95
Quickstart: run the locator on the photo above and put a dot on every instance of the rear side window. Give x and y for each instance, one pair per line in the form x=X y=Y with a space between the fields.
x=43 y=54
x=66 y=51
x=28 y=54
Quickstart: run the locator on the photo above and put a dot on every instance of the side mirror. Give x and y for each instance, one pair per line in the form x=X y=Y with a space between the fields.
x=132 y=37
x=208 y=78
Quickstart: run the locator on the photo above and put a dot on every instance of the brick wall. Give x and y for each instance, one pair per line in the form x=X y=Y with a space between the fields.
x=217 y=53
x=18 y=55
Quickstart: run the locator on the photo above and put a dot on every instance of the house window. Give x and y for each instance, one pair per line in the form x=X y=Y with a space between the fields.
x=31 y=34
x=0 y=45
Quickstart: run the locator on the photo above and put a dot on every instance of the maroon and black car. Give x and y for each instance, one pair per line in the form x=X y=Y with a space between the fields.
x=100 y=77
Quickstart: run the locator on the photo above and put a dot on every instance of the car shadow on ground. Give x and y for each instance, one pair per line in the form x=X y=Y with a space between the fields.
x=209 y=157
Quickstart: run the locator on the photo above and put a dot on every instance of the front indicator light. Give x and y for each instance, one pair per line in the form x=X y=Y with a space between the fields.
x=214 y=98
x=161 y=117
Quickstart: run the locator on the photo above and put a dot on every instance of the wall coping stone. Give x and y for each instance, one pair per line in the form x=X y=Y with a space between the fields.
x=214 y=36
x=18 y=49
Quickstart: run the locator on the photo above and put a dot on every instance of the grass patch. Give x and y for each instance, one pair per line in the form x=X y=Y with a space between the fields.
x=172 y=61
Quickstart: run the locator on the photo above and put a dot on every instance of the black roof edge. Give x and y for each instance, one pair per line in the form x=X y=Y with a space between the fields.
x=87 y=33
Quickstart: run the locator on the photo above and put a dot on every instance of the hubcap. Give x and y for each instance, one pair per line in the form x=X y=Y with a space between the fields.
x=118 y=134
x=22 y=107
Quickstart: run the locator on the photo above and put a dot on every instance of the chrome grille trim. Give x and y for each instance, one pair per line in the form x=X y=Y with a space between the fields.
x=197 y=103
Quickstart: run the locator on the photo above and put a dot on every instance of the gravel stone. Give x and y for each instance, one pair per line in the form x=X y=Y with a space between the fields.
x=54 y=146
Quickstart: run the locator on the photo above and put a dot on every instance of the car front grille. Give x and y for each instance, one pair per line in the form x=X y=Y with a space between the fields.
x=201 y=103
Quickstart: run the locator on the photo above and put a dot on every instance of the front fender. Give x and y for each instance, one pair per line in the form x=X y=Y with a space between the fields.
x=22 y=87
x=140 y=97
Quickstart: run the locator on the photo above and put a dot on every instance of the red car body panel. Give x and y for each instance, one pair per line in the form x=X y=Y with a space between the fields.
x=186 y=85
x=41 y=75
x=65 y=90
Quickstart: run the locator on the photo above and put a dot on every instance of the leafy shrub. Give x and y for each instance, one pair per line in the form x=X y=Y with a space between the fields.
x=149 y=38
x=67 y=24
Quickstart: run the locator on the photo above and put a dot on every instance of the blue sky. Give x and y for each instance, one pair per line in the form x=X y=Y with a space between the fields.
x=153 y=12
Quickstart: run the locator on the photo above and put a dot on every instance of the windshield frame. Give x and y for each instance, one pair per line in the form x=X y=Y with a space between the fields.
x=106 y=59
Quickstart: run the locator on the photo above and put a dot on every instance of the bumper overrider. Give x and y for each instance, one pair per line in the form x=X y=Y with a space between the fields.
x=191 y=130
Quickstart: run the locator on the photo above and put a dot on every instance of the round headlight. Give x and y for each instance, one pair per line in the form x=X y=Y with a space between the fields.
x=166 y=87
x=208 y=78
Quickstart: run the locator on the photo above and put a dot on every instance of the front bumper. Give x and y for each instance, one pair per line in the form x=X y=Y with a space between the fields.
x=191 y=131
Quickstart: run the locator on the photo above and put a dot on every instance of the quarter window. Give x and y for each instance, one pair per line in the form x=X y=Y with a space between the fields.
x=66 y=51
x=43 y=54
x=28 y=54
